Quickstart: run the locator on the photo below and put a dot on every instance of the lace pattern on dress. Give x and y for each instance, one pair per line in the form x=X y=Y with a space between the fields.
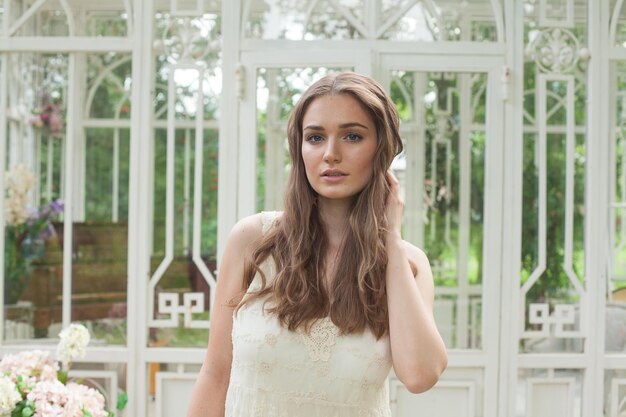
x=268 y=219
x=320 y=339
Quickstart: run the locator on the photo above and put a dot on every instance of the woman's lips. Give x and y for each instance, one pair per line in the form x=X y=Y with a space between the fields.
x=334 y=177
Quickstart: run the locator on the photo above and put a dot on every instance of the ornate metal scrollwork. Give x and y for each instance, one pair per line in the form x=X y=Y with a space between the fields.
x=193 y=302
x=556 y=50
x=186 y=39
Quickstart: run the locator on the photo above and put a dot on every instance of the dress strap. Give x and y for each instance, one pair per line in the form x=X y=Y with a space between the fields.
x=268 y=219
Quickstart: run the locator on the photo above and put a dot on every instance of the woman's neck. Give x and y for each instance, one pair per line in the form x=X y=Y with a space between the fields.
x=334 y=217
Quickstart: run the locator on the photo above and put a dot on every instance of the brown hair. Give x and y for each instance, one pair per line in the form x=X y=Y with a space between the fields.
x=357 y=295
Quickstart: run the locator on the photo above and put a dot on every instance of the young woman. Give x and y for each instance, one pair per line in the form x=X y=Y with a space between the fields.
x=315 y=304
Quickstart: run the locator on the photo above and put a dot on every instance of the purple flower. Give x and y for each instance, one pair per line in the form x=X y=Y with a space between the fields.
x=39 y=222
x=57 y=206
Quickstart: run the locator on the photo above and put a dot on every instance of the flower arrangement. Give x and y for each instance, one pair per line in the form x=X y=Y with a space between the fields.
x=26 y=229
x=48 y=115
x=33 y=384
x=18 y=182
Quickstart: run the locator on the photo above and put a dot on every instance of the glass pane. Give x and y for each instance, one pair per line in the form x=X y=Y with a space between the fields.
x=278 y=91
x=37 y=99
x=56 y=18
x=442 y=176
x=50 y=19
x=484 y=31
x=389 y=7
x=394 y=20
x=182 y=275
x=355 y=7
x=440 y=21
x=186 y=103
x=552 y=280
x=187 y=40
x=100 y=231
x=297 y=20
x=110 y=19
x=108 y=86
x=615 y=389
x=620 y=25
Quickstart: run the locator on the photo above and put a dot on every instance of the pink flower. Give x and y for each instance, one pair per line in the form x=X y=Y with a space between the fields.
x=50 y=398
x=33 y=375
x=36 y=121
x=55 y=123
x=33 y=366
x=82 y=397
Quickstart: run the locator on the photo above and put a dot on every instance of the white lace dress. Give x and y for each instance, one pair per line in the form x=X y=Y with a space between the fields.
x=280 y=373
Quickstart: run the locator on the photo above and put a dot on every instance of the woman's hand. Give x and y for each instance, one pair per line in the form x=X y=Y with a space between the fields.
x=394 y=205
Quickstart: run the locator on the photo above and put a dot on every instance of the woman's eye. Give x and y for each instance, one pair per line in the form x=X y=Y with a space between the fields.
x=353 y=137
x=314 y=138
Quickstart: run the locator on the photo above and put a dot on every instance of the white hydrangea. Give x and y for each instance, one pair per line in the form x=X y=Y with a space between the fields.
x=9 y=396
x=73 y=343
x=31 y=366
x=50 y=398
x=19 y=180
x=84 y=398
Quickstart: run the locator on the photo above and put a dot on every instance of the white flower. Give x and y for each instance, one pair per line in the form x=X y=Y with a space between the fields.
x=19 y=180
x=73 y=343
x=9 y=396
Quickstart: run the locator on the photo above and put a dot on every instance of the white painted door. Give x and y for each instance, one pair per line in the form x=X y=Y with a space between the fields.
x=451 y=176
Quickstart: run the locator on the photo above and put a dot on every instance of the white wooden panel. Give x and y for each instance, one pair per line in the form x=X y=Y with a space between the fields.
x=173 y=392
x=553 y=397
x=447 y=398
x=618 y=404
x=443 y=310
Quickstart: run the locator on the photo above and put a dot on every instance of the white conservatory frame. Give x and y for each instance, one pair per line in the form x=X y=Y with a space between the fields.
x=503 y=61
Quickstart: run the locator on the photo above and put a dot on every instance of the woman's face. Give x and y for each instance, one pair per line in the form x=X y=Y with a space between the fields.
x=338 y=146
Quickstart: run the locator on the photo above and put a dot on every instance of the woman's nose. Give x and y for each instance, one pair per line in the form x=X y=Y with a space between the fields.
x=332 y=152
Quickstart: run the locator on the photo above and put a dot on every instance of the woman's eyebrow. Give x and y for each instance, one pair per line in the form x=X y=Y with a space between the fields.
x=352 y=124
x=341 y=126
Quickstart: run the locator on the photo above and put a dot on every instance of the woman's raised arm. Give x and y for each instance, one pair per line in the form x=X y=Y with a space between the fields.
x=417 y=350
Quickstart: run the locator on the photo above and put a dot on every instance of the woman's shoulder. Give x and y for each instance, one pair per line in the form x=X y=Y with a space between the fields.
x=251 y=228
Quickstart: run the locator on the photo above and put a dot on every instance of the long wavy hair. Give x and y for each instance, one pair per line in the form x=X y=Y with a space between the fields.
x=356 y=298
